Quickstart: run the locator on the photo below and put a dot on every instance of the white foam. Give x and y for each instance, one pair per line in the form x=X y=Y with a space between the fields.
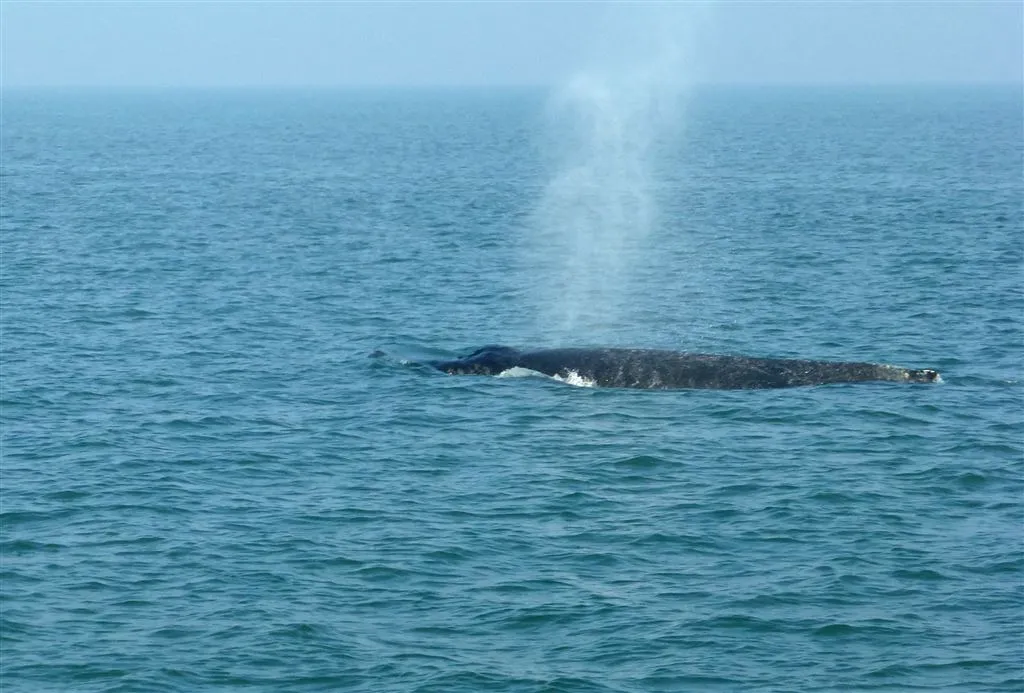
x=573 y=378
x=576 y=379
x=517 y=372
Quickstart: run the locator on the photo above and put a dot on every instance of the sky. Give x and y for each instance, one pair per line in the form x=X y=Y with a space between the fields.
x=477 y=43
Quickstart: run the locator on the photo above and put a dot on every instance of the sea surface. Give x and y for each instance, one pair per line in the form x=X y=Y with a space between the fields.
x=209 y=485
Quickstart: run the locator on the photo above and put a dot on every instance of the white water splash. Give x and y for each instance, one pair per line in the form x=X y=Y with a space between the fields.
x=574 y=378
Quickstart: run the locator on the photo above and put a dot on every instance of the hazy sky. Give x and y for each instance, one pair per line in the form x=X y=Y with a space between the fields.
x=500 y=43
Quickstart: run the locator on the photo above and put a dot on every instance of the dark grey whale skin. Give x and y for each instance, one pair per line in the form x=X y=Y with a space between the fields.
x=655 y=369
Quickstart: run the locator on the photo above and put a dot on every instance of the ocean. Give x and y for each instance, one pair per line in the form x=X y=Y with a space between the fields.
x=208 y=484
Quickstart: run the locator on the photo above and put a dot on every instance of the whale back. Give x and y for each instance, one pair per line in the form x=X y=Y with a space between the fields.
x=661 y=369
x=656 y=369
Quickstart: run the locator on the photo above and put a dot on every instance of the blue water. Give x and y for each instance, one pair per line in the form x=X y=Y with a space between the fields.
x=208 y=485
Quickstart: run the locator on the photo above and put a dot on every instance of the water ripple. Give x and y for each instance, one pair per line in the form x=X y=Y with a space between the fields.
x=208 y=486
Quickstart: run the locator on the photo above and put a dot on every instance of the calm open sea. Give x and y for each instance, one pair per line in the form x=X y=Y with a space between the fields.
x=208 y=485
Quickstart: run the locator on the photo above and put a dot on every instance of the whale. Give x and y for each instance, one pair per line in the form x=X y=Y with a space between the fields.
x=658 y=369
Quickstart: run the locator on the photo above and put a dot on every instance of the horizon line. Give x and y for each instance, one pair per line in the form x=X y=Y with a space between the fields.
x=479 y=86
